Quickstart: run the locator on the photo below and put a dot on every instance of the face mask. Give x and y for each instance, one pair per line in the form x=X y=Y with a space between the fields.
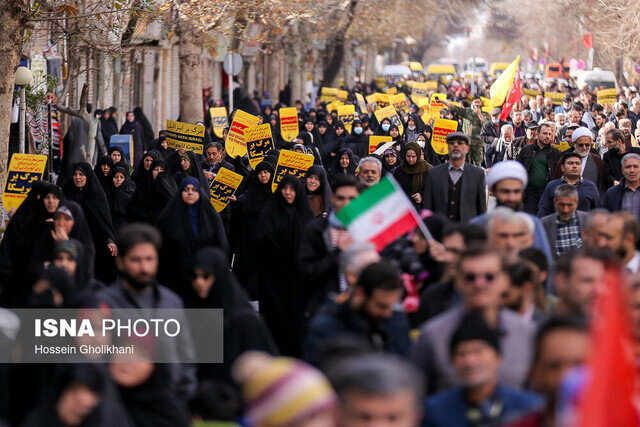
x=385 y=126
x=495 y=121
x=412 y=127
x=358 y=131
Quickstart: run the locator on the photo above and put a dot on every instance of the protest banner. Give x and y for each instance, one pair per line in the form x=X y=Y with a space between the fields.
x=390 y=113
x=399 y=102
x=384 y=147
x=362 y=104
x=424 y=103
x=259 y=140
x=291 y=163
x=556 y=97
x=372 y=99
x=346 y=114
x=289 y=123
x=223 y=186
x=375 y=140
x=607 y=96
x=24 y=170
x=185 y=135
x=328 y=94
x=530 y=93
x=235 y=145
x=442 y=128
x=125 y=142
x=342 y=95
x=437 y=97
x=382 y=100
x=419 y=91
x=392 y=91
x=333 y=106
x=219 y=120
x=431 y=84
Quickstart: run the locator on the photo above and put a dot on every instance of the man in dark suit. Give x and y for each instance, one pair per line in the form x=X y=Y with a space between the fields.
x=564 y=227
x=456 y=189
x=540 y=160
x=617 y=148
x=490 y=132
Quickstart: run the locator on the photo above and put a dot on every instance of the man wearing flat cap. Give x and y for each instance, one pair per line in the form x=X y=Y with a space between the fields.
x=491 y=129
x=456 y=189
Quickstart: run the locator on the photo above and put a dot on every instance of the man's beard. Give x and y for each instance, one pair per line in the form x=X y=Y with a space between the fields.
x=517 y=207
x=135 y=283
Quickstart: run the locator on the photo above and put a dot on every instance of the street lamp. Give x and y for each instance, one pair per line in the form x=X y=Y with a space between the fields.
x=23 y=77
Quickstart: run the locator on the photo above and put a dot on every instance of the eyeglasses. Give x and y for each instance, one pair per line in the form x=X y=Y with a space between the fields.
x=472 y=277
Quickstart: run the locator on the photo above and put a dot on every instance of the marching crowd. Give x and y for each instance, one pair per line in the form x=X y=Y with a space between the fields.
x=478 y=326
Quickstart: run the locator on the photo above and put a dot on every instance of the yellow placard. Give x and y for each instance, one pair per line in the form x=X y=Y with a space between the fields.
x=346 y=114
x=382 y=100
x=419 y=91
x=390 y=113
x=372 y=99
x=486 y=102
x=562 y=145
x=223 y=186
x=328 y=94
x=424 y=103
x=342 y=95
x=291 y=163
x=362 y=103
x=219 y=120
x=399 y=102
x=442 y=128
x=556 y=97
x=185 y=135
x=530 y=93
x=376 y=140
x=607 y=96
x=431 y=84
x=392 y=91
x=259 y=140
x=289 y=123
x=427 y=119
x=333 y=106
x=235 y=144
x=24 y=170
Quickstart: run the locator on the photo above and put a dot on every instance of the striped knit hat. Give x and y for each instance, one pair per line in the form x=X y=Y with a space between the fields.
x=280 y=391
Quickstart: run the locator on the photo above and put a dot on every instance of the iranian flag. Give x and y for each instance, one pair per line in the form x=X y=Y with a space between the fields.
x=380 y=215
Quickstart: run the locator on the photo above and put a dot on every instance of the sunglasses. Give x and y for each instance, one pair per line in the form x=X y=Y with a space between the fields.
x=472 y=277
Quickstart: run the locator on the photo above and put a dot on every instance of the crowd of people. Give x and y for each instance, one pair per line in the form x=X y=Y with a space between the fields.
x=475 y=325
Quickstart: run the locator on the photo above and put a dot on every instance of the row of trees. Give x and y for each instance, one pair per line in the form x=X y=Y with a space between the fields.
x=100 y=25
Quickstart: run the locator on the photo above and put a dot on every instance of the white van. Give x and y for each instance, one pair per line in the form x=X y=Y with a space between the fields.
x=597 y=78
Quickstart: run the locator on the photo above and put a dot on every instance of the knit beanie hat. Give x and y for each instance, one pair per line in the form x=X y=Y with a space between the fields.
x=279 y=391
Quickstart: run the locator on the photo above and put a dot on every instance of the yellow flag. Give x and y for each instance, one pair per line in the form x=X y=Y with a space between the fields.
x=500 y=88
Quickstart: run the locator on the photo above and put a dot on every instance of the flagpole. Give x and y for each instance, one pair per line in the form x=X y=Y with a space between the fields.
x=421 y=225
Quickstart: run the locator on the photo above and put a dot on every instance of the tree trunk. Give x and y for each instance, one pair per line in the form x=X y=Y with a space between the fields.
x=335 y=49
x=13 y=17
x=190 y=75
x=89 y=119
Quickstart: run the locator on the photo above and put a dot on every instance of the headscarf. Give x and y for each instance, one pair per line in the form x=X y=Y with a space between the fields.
x=283 y=222
x=195 y=170
x=140 y=173
x=92 y=199
x=116 y=148
x=386 y=166
x=417 y=169
x=257 y=193
x=104 y=160
x=324 y=191
x=192 y=210
x=180 y=242
x=152 y=195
